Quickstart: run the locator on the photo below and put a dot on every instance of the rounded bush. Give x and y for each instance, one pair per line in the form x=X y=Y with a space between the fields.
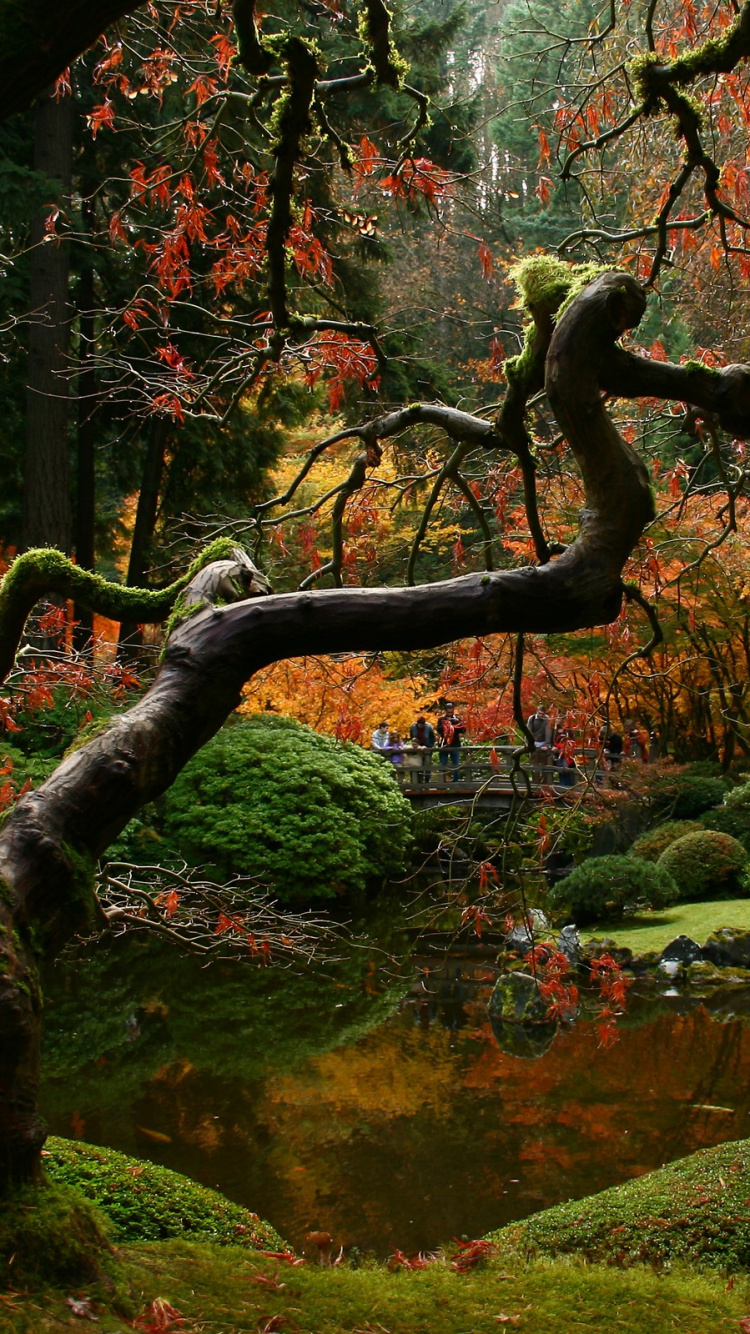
x=706 y=865
x=733 y=816
x=602 y=887
x=683 y=796
x=308 y=816
x=652 y=844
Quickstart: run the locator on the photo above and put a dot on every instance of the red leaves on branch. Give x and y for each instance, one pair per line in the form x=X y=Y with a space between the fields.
x=485 y=260
x=418 y=178
x=103 y=115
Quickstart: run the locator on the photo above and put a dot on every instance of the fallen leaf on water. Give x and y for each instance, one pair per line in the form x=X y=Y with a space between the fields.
x=157 y=1136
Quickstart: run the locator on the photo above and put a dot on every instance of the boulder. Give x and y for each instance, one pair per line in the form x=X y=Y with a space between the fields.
x=569 y=944
x=516 y=999
x=681 y=950
x=728 y=948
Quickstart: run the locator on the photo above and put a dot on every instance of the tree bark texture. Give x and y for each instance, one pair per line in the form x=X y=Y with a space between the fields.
x=47 y=516
x=49 y=843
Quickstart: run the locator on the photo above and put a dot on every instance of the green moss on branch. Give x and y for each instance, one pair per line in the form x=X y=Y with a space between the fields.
x=44 y=571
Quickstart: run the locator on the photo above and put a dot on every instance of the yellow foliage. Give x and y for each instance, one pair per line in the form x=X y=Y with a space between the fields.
x=346 y=697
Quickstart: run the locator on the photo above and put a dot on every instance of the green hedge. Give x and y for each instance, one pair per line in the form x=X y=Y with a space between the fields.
x=654 y=842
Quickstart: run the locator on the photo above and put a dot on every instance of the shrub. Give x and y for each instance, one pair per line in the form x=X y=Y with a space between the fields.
x=309 y=816
x=733 y=816
x=652 y=844
x=602 y=887
x=686 y=795
x=706 y=865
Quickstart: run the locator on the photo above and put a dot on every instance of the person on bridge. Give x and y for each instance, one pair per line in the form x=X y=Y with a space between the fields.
x=450 y=729
x=395 y=748
x=379 y=740
x=422 y=736
x=540 y=727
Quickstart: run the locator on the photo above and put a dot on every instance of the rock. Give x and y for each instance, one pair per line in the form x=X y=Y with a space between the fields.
x=682 y=950
x=728 y=948
x=569 y=944
x=516 y=999
x=669 y=966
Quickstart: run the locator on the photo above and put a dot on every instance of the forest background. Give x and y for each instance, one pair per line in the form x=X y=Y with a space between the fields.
x=150 y=403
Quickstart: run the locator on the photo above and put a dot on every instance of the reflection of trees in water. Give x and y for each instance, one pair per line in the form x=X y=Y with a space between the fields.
x=398 y=1131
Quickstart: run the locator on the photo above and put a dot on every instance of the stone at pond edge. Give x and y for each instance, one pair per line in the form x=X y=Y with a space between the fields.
x=728 y=947
x=681 y=950
x=516 y=999
x=519 y=1016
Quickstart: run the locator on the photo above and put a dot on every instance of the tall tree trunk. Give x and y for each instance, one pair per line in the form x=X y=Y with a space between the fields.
x=87 y=405
x=145 y=524
x=46 y=502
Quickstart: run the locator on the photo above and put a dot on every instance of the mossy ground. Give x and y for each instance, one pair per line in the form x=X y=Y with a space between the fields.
x=145 y=1202
x=695 y=1211
x=652 y=931
x=230 y=1291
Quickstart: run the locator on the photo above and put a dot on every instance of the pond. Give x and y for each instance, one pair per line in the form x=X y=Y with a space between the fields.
x=372 y=1100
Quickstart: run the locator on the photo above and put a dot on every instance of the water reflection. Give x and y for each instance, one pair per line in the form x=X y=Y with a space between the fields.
x=385 y=1113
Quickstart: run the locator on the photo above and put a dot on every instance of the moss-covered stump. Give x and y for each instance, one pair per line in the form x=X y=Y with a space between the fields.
x=145 y=1202
x=50 y=1234
x=697 y=1209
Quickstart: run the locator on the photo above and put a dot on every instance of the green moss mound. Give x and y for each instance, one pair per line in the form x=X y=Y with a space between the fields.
x=50 y=1234
x=145 y=1202
x=601 y=888
x=706 y=865
x=654 y=842
x=695 y=1209
x=310 y=817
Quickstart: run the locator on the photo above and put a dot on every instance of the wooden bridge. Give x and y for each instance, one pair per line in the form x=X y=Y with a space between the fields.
x=483 y=774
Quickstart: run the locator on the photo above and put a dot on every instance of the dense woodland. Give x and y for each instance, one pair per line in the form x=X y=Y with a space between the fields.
x=416 y=338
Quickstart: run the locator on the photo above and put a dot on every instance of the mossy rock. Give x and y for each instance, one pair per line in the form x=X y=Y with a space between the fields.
x=695 y=1209
x=520 y=1017
x=145 y=1202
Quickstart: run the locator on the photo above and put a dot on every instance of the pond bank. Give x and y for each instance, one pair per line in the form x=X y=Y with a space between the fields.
x=187 y=1286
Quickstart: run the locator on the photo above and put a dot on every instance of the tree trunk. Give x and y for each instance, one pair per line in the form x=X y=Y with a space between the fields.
x=46 y=501
x=38 y=38
x=145 y=523
x=86 y=440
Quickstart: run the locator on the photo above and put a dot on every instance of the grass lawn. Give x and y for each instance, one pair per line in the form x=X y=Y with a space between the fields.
x=654 y=930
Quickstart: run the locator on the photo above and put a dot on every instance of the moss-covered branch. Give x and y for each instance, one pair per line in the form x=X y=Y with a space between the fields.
x=293 y=123
x=390 y=68
x=38 y=573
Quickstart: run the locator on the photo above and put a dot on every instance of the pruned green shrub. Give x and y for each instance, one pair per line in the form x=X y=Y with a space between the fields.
x=308 y=816
x=653 y=843
x=706 y=865
x=602 y=887
x=684 y=796
x=733 y=816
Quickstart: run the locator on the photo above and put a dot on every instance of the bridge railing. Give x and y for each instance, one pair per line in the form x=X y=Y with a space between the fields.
x=476 y=768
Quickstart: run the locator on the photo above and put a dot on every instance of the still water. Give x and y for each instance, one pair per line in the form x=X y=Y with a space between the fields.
x=372 y=1100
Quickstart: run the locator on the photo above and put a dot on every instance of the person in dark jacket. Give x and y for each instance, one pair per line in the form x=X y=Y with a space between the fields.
x=422 y=736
